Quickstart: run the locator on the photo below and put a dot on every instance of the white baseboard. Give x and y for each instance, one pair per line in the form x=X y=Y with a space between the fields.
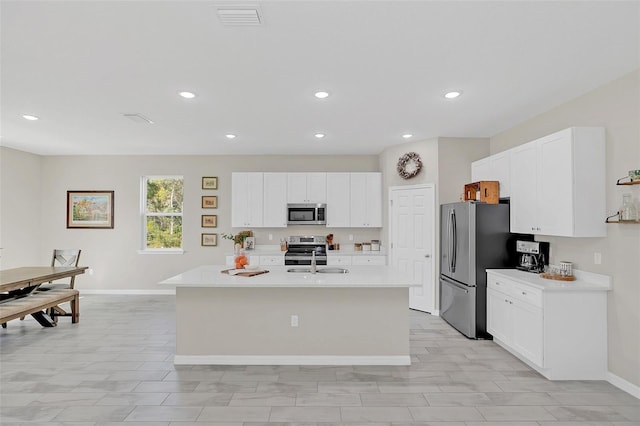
x=290 y=360
x=171 y=292
x=621 y=383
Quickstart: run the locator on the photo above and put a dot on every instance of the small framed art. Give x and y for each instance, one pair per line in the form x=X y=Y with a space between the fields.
x=209 y=221
x=90 y=209
x=210 y=182
x=209 y=202
x=209 y=240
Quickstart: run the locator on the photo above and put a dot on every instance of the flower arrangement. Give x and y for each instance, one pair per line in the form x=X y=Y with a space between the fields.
x=238 y=239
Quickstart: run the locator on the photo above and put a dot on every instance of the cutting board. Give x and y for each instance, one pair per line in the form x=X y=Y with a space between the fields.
x=246 y=274
x=557 y=277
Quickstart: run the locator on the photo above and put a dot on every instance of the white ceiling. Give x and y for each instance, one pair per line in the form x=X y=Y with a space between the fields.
x=79 y=65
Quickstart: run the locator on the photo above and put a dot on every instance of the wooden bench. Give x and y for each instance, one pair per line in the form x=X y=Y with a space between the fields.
x=36 y=302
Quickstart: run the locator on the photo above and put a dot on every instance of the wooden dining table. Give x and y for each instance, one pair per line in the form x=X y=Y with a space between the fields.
x=24 y=281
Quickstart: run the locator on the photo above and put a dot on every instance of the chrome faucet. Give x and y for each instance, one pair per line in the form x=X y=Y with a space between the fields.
x=313 y=262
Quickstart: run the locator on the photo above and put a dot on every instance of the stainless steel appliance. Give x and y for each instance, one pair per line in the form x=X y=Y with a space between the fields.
x=306 y=214
x=532 y=255
x=301 y=250
x=473 y=237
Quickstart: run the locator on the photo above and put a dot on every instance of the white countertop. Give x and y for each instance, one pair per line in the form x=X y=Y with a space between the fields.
x=345 y=250
x=358 y=277
x=585 y=281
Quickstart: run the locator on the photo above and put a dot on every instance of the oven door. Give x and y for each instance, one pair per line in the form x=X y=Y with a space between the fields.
x=458 y=306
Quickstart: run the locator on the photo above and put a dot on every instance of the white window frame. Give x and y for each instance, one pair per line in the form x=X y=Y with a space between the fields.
x=143 y=217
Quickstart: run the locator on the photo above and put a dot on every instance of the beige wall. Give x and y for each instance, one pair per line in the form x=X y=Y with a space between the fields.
x=616 y=106
x=31 y=233
x=21 y=208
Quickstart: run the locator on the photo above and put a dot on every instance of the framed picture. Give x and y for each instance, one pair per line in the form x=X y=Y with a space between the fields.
x=209 y=183
x=209 y=240
x=209 y=221
x=250 y=243
x=209 y=202
x=90 y=209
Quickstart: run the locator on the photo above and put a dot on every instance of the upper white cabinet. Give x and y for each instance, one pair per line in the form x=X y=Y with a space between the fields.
x=338 y=204
x=558 y=184
x=366 y=200
x=495 y=167
x=275 y=200
x=247 y=199
x=306 y=187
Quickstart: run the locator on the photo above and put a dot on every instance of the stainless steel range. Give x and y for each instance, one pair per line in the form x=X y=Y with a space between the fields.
x=301 y=250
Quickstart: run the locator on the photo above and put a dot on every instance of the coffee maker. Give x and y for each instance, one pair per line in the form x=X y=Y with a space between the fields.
x=532 y=255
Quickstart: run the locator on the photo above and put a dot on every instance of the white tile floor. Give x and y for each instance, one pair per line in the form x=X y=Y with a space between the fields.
x=116 y=368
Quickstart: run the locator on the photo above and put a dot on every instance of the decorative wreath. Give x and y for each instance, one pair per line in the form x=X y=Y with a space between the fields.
x=409 y=165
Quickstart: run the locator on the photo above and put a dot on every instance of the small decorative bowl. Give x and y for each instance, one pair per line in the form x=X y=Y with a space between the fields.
x=634 y=175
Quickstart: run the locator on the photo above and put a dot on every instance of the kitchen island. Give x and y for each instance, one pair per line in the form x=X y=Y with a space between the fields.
x=278 y=318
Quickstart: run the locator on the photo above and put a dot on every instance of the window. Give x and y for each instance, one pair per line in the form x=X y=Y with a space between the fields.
x=162 y=213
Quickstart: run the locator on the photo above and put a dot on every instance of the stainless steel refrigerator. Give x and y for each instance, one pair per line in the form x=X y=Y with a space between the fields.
x=473 y=237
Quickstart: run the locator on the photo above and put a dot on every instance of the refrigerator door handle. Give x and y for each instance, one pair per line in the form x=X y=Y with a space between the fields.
x=455 y=284
x=454 y=237
x=448 y=240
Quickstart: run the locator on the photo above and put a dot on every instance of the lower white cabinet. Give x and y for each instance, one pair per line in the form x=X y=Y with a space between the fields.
x=272 y=260
x=368 y=260
x=560 y=332
x=257 y=260
x=338 y=260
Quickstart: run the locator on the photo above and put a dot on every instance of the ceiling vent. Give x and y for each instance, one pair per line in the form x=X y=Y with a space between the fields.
x=240 y=17
x=138 y=118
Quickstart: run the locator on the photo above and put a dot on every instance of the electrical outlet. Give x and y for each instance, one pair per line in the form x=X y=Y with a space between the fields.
x=294 y=320
x=270 y=237
x=597 y=258
x=350 y=237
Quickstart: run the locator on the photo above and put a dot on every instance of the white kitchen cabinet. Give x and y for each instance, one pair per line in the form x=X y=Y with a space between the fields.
x=558 y=184
x=275 y=200
x=247 y=199
x=514 y=316
x=306 y=187
x=368 y=260
x=495 y=167
x=338 y=260
x=272 y=260
x=366 y=200
x=338 y=200
x=558 y=329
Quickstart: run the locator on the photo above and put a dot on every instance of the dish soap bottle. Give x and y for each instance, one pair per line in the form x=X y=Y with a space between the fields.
x=628 y=210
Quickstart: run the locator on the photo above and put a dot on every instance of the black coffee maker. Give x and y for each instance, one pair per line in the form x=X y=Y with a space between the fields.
x=533 y=256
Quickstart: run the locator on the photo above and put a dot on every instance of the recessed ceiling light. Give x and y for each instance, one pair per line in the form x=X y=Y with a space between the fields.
x=321 y=95
x=319 y=135
x=30 y=117
x=230 y=136
x=407 y=135
x=452 y=95
x=188 y=95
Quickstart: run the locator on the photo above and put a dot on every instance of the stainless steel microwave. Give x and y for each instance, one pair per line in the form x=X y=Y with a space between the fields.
x=307 y=214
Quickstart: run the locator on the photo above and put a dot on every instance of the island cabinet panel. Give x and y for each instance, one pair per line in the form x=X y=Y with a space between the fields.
x=247 y=200
x=281 y=318
x=253 y=326
x=558 y=184
x=559 y=331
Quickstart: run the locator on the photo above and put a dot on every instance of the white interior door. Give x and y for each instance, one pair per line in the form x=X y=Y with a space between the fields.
x=412 y=217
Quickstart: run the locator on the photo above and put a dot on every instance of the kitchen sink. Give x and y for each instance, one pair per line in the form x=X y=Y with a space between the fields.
x=320 y=270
